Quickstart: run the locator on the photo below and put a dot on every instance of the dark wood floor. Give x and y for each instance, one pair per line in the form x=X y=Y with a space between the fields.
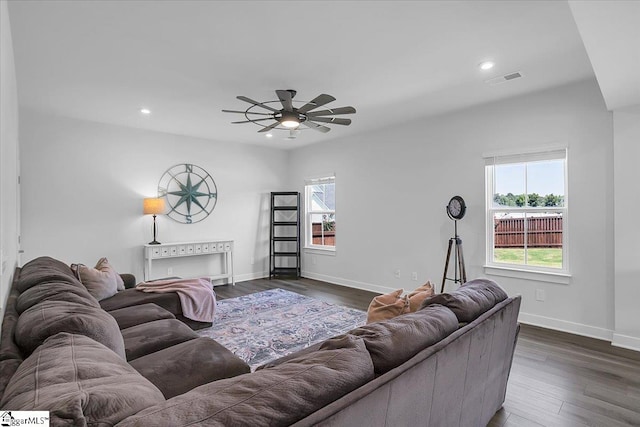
x=557 y=379
x=341 y=295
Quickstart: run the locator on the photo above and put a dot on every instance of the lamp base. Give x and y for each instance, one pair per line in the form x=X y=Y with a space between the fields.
x=155 y=242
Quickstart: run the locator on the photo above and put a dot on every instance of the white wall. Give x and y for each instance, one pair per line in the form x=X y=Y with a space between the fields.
x=83 y=185
x=408 y=173
x=627 y=228
x=9 y=195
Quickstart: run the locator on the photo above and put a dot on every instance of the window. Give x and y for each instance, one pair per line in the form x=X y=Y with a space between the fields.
x=320 y=197
x=527 y=211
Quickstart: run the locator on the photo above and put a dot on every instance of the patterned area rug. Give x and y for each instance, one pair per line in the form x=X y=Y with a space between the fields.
x=267 y=325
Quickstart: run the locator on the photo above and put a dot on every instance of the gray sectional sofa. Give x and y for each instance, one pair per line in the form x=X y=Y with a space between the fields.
x=445 y=365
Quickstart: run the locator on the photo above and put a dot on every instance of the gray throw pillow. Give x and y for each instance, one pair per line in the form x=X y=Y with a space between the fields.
x=81 y=382
x=51 y=317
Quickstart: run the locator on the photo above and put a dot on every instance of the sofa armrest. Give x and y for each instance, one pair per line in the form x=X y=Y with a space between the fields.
x=129 y=280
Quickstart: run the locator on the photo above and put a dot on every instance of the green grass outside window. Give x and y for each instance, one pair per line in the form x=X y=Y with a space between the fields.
x=540 y=257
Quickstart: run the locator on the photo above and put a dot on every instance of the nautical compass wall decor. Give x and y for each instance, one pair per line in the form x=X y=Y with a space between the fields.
x=190 y=191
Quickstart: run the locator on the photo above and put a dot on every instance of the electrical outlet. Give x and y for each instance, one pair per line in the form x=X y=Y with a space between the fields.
x=414 y=275
x=397 y=273
x=169 y=271
x=540 y=295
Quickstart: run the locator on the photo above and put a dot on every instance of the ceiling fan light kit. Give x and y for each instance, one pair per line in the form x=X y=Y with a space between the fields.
x=290 y=117
x=290 y=120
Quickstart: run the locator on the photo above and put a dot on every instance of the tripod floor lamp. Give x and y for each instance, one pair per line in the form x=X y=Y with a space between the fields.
x=456 y=210
x=153 y=206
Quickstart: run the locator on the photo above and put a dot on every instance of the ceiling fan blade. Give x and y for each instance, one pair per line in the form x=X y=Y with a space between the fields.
x=251 y=121
x=268 y=128
x=318 y=101
x=247 y=112
x=334 y=120
x=316 y=126
x=251 y=101
x=285 y=98
x=333 y=111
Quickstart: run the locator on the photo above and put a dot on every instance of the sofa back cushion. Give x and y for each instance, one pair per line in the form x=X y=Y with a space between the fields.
x=277 y=396
x=53 y=291
x=394 y=341
x=81 y=382
x=51 y=317
x=44 y=270
x=470 y=300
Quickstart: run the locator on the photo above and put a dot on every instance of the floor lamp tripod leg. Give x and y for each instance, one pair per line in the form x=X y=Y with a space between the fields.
x=446 y=265
x=463 y=271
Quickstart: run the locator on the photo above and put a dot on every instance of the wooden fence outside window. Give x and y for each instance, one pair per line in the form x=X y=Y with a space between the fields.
x=542 y=232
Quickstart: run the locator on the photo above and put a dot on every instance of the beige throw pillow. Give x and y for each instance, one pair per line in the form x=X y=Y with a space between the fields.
x=418 y=295
x=387 y=306
x=102 y=281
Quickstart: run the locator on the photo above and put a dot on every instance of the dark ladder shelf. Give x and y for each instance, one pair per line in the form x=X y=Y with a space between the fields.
x=284 y=238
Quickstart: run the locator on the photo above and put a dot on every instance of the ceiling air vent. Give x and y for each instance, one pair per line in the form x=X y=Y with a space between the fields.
x=502 y=79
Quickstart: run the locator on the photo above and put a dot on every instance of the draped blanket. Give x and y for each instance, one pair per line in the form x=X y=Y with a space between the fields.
x=197 y=297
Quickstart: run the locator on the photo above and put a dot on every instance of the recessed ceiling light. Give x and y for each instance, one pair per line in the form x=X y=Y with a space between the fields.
x=145 y=111
x=486 y=65
x=269 y=135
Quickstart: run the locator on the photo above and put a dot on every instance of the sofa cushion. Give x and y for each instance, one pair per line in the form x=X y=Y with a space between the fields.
x=470 y=300
x=55 y=292
x=45 y=270
x=50 y=317
x=81 y=382
x=394 y=341
x=183 y=367
x=102 y=281
x=132 y=316
x=131 y=297
x=286 y=358
x=277 y=396
x=146 y=338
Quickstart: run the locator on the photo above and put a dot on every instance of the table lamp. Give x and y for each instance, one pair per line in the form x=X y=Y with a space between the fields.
x=153 y=206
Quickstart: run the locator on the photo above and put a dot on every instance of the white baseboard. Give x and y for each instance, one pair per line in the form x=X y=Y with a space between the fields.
x=566 y=326
x=251 y=276
x=625 y=341
x=349 y=283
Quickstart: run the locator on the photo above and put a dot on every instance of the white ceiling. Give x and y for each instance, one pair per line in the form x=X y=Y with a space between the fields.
x=393 y=61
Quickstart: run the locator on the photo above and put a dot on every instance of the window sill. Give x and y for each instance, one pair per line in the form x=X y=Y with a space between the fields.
x=518 y=273
x=320 y=250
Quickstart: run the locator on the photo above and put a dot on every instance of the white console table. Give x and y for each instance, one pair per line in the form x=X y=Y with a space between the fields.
x=190 y=249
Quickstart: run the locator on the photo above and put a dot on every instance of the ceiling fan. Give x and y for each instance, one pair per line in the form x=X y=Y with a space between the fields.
x=289 y=117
